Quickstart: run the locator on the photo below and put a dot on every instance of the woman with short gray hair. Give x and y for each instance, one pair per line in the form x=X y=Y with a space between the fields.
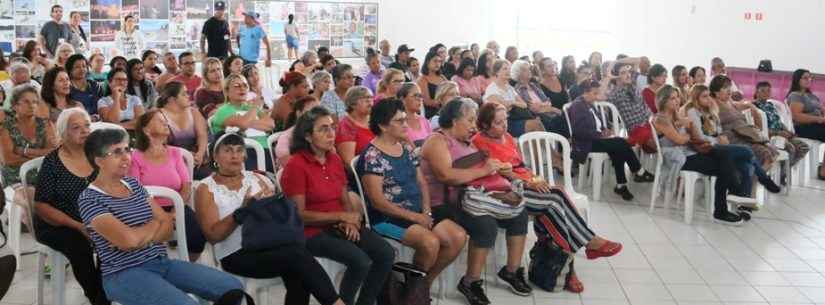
x=321 y=81
x=520 y=119
x=65 y=173
x=353 y=133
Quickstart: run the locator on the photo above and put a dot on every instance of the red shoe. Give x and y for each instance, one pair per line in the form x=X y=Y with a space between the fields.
x=573 y=284
x=608 y=249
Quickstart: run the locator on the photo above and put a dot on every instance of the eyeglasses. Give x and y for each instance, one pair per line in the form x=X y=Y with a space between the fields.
x=397 y=81
x=325 y=129
x=118 y=152
x=120 y=79
x=418 y=96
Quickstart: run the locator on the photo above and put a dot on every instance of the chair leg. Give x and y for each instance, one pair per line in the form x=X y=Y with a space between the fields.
x=689 y=190
x=41 y=277
x=596 y=170
x=58 y=278
x=15 y=217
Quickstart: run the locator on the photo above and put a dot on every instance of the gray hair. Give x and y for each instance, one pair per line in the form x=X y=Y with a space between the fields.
x=20 y=63
x=517 y=68
x=354 y=94
x=306 y=56
x=19 y=90
x=320 y=76
x=99 y=142
x=63 y=119
x=455 y=109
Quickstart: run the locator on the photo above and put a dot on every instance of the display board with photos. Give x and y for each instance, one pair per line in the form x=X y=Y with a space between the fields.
x=175 y=25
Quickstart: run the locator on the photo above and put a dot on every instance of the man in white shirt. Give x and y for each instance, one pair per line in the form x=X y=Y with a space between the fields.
x=386 y=59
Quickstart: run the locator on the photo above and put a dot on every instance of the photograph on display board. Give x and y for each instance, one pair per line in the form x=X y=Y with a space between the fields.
x=158 y=46
x=193 y=29
x=6 y=37
x=26 y=31
x=372 y=9
x=319 y=12
x=278 y=49
x=154 y=9
x=369 y=41
x=105 y=9
x=130 y=8
x=315 y=44
x=353 y=48
x=336 y=42
x=23 y=6
x=104 y=30
x=155 y=30
x=236 y=9
x=199 y=9
x=177 y=43
x=177 y=5
x=177 y=25
x=371 y=19
x=276 y=30
x=24 y=17
x=6 y=10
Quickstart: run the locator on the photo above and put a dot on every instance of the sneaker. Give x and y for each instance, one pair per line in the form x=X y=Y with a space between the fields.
x=727 y=218
x=474 y=292
x=768 y=183
x=743 y=201
x=646 y=177
x=516 y=281
x=624 y=192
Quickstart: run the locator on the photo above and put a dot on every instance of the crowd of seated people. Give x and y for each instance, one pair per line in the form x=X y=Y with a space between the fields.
x=405 y=125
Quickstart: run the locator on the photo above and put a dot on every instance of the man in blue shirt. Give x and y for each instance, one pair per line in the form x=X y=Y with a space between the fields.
x=250 y=36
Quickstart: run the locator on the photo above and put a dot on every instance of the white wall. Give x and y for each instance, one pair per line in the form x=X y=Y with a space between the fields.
x=687 y=32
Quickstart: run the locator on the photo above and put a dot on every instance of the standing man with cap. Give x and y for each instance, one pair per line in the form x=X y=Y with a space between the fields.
x=216 y=33
x=402 y=58
x=54 y=32
x=249 y=38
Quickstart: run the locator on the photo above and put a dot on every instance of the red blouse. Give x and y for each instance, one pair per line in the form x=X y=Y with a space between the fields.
x=349 y=131
x=321 y=184
x=504 y=152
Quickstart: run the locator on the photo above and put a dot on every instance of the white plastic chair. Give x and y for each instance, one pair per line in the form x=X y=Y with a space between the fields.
x=595 y=161
x=14 y=213
x=782 y=159
x=180 y=224
x=689 y=179
x=260 y=155
x=535 y=149
x=58 y=261
x=797 y=172
x=105 y=125
x=271 y=141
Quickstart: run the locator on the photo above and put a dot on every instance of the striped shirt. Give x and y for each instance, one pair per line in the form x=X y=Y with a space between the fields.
x=133 y=210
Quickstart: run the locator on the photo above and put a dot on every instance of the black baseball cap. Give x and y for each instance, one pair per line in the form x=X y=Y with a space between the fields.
x=220 y=5
x=404 y=48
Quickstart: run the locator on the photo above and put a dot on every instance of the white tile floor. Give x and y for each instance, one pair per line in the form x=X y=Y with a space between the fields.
x=776 y=258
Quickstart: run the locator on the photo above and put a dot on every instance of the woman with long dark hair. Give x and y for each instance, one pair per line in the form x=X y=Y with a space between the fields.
x=83 y=89
x=806 y=109
x=484 y=69
x=568 y=71
x=55 y=92
x=138 y=84
x=430 y=79
x=150 y=59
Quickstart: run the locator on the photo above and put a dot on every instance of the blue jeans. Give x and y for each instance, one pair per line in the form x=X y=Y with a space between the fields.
x=163 y=281
x=746 y=165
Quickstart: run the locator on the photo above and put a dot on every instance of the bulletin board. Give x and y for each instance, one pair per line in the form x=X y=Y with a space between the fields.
x=175 y=25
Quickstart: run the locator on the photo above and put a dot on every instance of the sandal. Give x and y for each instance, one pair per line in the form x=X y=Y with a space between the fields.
x=607 y=249
x=573 y=284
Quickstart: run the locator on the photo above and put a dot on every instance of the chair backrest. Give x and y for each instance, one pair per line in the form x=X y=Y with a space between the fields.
x=784 y=114
x=655 y=137
x=567 y=119
x=271 y=141
x=259 y=153
x=763 y=130
x=33 y=164
x=535 y=149
x=190 y=164
x=180 y=224
x=611 y=117
x=360 y=189
x=748 y=116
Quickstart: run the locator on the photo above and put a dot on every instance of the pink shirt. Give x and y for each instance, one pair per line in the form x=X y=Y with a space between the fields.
x=422 y=133
x=173 y=174
x=191 y=83
x=282 y=146
x=467 y=87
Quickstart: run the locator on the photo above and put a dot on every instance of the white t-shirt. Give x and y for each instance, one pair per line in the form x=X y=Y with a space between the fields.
x=130 y=45
x=507 y=94
x=291 y=30
x=227 y=201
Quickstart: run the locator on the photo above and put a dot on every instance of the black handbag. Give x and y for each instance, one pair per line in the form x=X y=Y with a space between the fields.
x=519 y=114
x=270 y=223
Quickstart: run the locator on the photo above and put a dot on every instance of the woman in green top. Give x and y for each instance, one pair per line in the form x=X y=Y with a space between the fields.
x=247 y=116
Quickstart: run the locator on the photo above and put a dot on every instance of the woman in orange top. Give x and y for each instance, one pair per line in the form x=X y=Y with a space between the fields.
x=568 y=229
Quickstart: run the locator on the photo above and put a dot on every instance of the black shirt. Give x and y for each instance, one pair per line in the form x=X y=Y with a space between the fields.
x=217 y=36
x=557 y=99
x=58 y=187
x=403 y=68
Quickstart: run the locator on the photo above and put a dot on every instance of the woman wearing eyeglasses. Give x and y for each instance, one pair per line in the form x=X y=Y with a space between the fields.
x=389 y=84
x=120 y=107
x=127 y=228
x=250 y=117
x=418 y=127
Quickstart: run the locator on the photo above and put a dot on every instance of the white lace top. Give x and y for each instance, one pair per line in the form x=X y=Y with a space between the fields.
x=227 y=201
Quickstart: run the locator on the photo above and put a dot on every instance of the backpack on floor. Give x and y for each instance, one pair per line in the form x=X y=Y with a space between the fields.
x=549 y=266
x=405 y=286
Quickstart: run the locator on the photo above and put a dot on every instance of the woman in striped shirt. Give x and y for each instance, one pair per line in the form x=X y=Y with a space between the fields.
x=127 y=228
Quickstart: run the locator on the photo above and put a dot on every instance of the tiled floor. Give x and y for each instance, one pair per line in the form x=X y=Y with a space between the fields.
x=776 y=258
